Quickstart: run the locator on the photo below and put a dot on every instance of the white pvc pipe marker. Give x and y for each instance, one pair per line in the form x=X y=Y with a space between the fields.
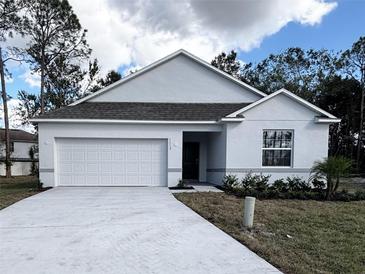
x=249 y=211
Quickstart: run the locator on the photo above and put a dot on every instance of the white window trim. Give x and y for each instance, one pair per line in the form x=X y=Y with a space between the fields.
x=278 y=148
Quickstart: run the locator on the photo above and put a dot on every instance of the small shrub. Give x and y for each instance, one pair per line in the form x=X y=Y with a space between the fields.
x=262 y=183
x=230 y=182
x=255 y=182
x=291 y=188
x=248 y=182
x=279 y=185
x=39 y=184
x=331 y=169
x=34 y=170
x=318 y=185
x=180 y=183
x=343 y=195
x=359 y=195
x=297 y=184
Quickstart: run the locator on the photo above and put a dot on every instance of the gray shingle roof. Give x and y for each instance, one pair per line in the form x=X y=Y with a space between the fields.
x=18 y=135
x=145 y=111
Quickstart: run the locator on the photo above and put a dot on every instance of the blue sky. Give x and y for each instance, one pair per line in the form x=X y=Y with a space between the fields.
x=338 y=29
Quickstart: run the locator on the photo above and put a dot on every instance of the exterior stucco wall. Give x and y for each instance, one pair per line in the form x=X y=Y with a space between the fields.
x=49 y=132
x=217 y=145
x=180 y=80
x=244 y=140
x=17 y=169
x=21 y=150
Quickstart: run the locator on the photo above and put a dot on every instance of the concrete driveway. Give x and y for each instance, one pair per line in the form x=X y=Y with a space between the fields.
x=116 y=230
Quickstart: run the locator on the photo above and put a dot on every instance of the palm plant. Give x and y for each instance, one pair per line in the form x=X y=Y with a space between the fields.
x=331 y=169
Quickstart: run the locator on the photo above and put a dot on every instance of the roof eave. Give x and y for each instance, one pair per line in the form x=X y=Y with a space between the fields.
x=321 y=120
x=110 y=121
x=231 y=119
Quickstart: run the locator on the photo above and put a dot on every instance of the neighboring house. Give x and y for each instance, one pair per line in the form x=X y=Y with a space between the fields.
x=20 y=144
x=179 y=118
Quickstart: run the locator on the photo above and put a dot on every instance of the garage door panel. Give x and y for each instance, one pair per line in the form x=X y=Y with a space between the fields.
x=92 y=155
x=78 y=179
x=156 y=156
x=146 y=167
x=92 y=167
x=117 y=167
x=92 y=179
x=145 y=180
x=140 y=162
x=65 y=178
x=65 y=155
x=132 y=178
x=145 y=155
x=106 y=155
x=118 y=155
x=131 y=155
x=118 y=179
x=67 y=167
x=79 y=167
x=106 y=179
x=78 y=155
x=106 y=167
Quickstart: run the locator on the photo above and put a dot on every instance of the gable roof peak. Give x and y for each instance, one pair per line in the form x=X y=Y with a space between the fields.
x=164 y=60
x=289 y=94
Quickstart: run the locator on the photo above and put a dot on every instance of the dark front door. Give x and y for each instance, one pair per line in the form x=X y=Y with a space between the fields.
x=191 y=161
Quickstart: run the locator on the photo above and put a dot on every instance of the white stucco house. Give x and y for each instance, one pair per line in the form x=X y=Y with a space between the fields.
x=20 y=144
x=179 y=118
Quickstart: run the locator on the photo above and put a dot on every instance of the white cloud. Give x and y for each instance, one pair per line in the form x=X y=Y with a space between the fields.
x=141 y=31
x=9 y=79
x=14 y=118
x=31 y=78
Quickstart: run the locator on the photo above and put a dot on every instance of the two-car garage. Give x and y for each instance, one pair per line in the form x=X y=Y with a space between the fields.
x=111 y=162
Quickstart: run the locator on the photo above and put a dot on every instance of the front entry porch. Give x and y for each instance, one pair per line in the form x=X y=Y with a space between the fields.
x=201 y=153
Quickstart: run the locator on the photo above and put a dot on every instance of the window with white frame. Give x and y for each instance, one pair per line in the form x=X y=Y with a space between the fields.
x=277 y=147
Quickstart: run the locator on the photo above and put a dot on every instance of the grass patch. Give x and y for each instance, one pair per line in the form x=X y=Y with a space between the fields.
x=327 y=237
x=17 y=188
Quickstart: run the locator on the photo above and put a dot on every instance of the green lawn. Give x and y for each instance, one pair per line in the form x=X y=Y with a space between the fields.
x=16 y=188
x=324 y=237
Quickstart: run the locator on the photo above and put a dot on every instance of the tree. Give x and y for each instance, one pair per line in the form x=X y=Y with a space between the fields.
x=10 y=21
x=227 y=63
x=92 y=78
x=295 y=69
x=29 y=106
x=341 y=97
x=55 y=32
x=331 y=170
x=63 y=83
x=33 y=150
x=111 y=77
x=353 y=63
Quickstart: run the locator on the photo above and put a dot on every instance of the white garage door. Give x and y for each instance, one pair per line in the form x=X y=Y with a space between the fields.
x=111 y=162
